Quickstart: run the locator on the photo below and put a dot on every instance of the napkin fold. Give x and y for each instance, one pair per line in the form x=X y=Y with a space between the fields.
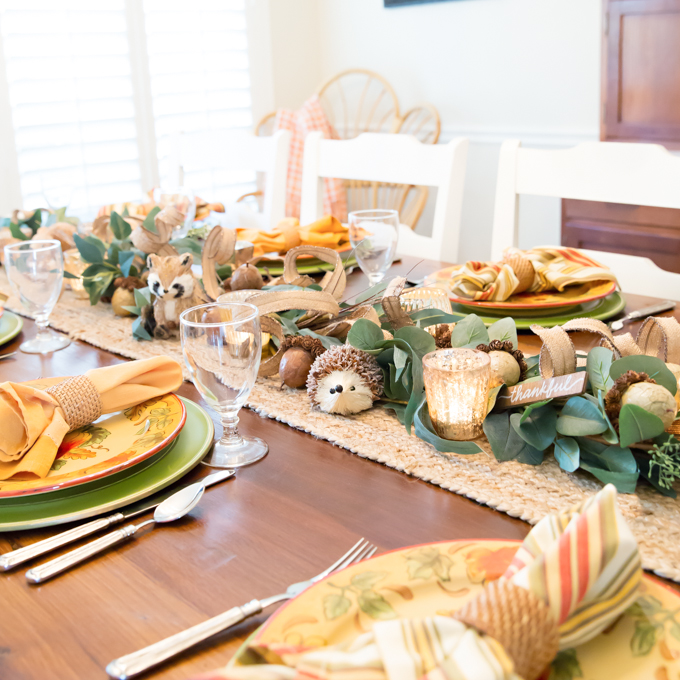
x=553 y=269
x=288 y=234
x=35 y=421
x=580 y=569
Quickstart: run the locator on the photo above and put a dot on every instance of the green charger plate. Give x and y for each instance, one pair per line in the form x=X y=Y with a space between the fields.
x=602 y=309
x=10 y=326
x=79 y=502
x=311 y=265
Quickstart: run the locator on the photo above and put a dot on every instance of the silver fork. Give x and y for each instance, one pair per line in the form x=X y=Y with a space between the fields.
x=138 y=662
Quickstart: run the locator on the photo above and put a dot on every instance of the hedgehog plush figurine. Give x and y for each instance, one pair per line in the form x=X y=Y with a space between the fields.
x=344 y=380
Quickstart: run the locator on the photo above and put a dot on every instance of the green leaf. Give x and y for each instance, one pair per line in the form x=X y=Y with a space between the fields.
x=610 y=435
x=506 y=444
x=532 y=407
x=636 y=425
x=120 y=228
x=504 y=330
x=138 y=330
x=653 y=367
x=365 y=334
x=99 y=268
x=491 y=397
x=567 y=453
x=598 y=365
x=625 y=482
x=538 y=428
x=378 y=289
x=469 y=332
x=187 y=245
x=325 y=340
x=420 y=341
x=431 y=317
x=375 y=605
x=149 y=221
x=142 y=296
x=532 y=362
x=96 y=286
x=644 y=637
x=367 y=579
x=398 y=409
x=68 y=275
x=335 y=605
x=15 y=229
x=565 y=666
x=579 y=417
x=425 y=430
x=91 y=249
x=125 y=259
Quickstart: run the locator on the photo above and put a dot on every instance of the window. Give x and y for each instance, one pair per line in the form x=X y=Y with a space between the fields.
x=97 y=89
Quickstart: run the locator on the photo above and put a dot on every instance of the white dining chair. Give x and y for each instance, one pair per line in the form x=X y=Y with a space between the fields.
x=610 y=172
x=238 y=150
x=399 y=159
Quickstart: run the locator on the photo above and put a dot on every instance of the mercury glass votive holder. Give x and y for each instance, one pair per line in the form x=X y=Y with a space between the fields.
x=457 y=386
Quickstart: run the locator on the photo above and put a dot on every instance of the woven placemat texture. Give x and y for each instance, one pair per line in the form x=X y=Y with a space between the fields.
x=524 y=491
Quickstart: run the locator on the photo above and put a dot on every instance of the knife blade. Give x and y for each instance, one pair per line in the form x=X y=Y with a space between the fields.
x=16 y=557
x=655 y=308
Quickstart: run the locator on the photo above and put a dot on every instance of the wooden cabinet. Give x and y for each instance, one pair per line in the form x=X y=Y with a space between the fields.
x=640 y=103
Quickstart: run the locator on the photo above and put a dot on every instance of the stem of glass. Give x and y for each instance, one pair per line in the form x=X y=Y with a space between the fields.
x=375 y=278
x=41 y=321
x=230 y=436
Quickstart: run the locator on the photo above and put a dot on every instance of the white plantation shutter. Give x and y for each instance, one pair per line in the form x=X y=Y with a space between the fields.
x=68 y=74
x=82 y=121
x=198 y=68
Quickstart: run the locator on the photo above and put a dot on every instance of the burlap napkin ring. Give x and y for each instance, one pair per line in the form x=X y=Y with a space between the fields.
x=519 y=620
x=79 y=400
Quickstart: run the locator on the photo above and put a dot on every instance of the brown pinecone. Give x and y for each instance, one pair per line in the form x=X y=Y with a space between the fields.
x=612 y=400
x=306 y=342
x=506 y=346
x=442 y=336
x=128 y=282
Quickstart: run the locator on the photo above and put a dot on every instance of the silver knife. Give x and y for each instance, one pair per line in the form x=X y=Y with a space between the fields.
x=656 y=308
x=16 y=557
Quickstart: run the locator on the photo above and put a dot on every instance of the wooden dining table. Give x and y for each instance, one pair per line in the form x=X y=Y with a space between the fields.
x=279 y=521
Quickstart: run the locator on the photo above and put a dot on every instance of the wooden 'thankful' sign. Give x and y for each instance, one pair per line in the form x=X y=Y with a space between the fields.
x=525 y=393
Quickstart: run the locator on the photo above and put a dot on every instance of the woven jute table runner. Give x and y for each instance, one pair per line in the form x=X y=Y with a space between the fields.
x=524 y=491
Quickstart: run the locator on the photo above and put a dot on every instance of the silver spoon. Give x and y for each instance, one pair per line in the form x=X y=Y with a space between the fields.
x=178 y=505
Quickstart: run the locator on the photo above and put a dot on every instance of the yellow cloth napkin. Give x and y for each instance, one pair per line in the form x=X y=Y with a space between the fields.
x=554 y=269
x=583 y=563
x=327 y=232
x=34 y=425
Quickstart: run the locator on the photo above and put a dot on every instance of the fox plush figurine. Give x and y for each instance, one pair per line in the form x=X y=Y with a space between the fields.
x=175 y=288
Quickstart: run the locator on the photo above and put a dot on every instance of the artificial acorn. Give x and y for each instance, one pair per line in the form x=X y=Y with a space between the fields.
x=247 y=276
x=507 y=363
x=299 y=353
x=638 y=389
x=124 y=295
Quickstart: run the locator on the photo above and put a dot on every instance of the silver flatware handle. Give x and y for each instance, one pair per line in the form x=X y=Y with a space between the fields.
x=46 y=571
x=138 y=662
x=16 y=557
x=656 y=308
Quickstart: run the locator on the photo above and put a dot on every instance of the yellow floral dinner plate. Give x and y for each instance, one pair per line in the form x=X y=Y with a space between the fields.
x=438 y=578
x=552 y=299
x=113 y=443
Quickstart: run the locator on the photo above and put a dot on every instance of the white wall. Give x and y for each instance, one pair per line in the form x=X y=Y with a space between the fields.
x=495 y=69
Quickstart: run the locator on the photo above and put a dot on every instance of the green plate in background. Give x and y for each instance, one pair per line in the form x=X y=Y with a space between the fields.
x=606 y=308
x=159 y=471
x=311 y=265
x=10 y=326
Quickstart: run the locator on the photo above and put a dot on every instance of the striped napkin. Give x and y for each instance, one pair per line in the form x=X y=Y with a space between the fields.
x=554 y=269
x=583 y=564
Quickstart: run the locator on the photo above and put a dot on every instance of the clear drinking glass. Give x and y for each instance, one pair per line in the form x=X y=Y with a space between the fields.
x=182 y=199
x=222 y=345
x=374 y=235
x=457 y=386
x=35 y=270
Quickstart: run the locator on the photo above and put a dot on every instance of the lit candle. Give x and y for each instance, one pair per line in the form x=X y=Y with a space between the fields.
x=457 y=386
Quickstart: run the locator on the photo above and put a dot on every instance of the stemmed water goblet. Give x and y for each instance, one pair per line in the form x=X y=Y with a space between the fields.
x=374 y=234
x=222 y=345
x=35 y=270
